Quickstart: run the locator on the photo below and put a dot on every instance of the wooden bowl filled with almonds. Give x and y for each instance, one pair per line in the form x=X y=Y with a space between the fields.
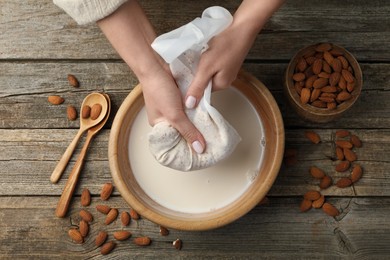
x=322 y=81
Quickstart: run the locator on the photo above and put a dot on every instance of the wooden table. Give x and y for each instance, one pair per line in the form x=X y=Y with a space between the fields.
x=40 y=45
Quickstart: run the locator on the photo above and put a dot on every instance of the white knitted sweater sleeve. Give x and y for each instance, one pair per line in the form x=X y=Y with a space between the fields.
x=88 y=11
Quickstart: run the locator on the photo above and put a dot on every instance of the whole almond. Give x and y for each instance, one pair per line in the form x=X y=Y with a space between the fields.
x=323 y=74
x=86 y=215
x=177 y=244
x=95 y=111
x=343 y=144
x=344 y=62
x=323 y=47
x=313 y=136
x=142 y=241
x=317 y=66
x=315 y=94
x=134 y=214
x=317 y=172
x=320 y=82
x=305 y=205
x=343 y=96
x=111 y=216
x=351 y=86
x=326 y=67
x=299 y=76
x=328 y=57
x=305 y=95
x=342 y=83
x=326 y=99
x=84 y=228
x=319 y=202
x=125 y=218
x=73 y=81
x=325 y=182
x=347 y=76
x=301 y=64
x=122 y=235
x=330 y=209
x=106 y=191
x=329 y=89
x=101 y=238
x=165 y=232
x=336 y=65
x=319 y=104
x=342 y=133
x=336 y=52
x=343 y=166
x=339 y=153
x=331 y=105
x=356 y=141
x=312 y=195
x=85 y=197
x=357 y=173
x=310 y=61
x=107 y=248
x=310 y=81
x=71 y=113
x=55 y=100
x=344 y=182
x=86 y=112
x=334 y=78
x=298 y=87
x=103 y=209
x=76 y=236
x=349 y=155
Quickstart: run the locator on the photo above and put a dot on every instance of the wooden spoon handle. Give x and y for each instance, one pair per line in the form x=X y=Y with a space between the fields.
x=61 y=165
x=63 y=203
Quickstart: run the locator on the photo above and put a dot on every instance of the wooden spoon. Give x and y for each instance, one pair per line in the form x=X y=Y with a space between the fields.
x=63 y=203
x=85 y=124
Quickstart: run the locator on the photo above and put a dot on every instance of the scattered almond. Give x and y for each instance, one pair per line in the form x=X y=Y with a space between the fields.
x=107 y=248
x=122 y=235
x=164 y=231
x=76 y=236
x=95 y=111
x=312 y=195
x=101 y=238
x=111 y=216
x=319 y=202
x=330 y=209
x=343 y=166
x=357 y=173
x=356 y=141
x=71 y=113
x=349 y=155
x=326 y=182
x=125 y=218
x=86 y=112
x=86 y=215
x=84 y=228
x=85 y=197
x=55 y=100
x=106 y=191
x=316 y=172
x=313 y=137
x=342 y=133
x=142 y=241
x=339 y=153
x=305 y=205
x=134 y=215
x=73 y=81
x=344 y=144
x=344 y=182
x=103 y=209
x=177 y=244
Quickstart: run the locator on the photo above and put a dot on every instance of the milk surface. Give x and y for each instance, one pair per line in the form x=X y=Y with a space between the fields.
x=208 y=189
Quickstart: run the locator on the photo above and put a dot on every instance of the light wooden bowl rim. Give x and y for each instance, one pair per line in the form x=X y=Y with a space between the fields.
x=205 y=221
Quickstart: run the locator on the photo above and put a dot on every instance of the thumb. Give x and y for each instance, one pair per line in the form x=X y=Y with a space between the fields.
x=191 y=134
x=196 y=89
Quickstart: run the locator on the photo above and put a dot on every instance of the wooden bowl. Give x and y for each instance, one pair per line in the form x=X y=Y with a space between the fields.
x=134 y=195
x=308 y=111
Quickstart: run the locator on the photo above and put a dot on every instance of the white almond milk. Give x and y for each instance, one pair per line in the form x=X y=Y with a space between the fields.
x=208 y=189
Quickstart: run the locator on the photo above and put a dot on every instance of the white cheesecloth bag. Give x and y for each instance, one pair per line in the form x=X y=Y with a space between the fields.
x=182 y=48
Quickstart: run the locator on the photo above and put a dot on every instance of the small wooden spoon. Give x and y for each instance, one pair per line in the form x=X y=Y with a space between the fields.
x=85 y=124
x=63 y=203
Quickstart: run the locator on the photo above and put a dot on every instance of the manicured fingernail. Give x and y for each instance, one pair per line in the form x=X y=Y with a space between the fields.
x=190 y=102
x=197 y=147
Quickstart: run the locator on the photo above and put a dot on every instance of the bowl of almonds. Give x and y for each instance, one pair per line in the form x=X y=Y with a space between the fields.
x=322 y=81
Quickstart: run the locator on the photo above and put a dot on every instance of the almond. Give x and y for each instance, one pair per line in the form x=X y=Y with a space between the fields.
x=76 y=236
x=106 y=191
x=107 y=248
x=344 y=182
x=343 y=166
x=357 y=173
x=343 y=61
x=323 y=47
x=344 y=144
x=334 y=78
x=349 y=155
x=310 y=81
x=164 y=231
x=342 y=83
x=122 y=235
x=342 y=133
x=319 y=104
x=103 y=209
x=134 y=215
x=95 y=111
x=317 y=66
x=317 y=172
x=326 y=99
x=356 y=141
x=73 y=81
x=325 y=182
x=111 y=216
x=329 y=89
x=310 y=61
x=330 y=209
x=331 y=105
x=312 y=195
x=313 y=137
x=55 y=100
x=328 y=57
x=320 y=82
x=71 y=113
x=323 y=74
x=309 y=53
x=343 y=96
x=84 y=228
x=101 y=238
x=298 y=87
x=339 y=153
x=326 y=67
x=351 y=86
x=177 y=244
x=86 y=215
x=305 y=95
x=125 y=218
x=299 y=76
x=336 y=52
x=301 y=64
x=347 y=76
x=336 y=65
x=85 y=197
x=318 y=203
x=305 y=205
x=315 y=94
x=86 y=112
x=142 y=241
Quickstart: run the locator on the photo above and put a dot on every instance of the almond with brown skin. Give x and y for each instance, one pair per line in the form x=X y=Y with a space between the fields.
x=85 y=197
x=134 y=214
x=357 y=173
x=351 y=86
x=328 y=57
x=103 y=209
x=142 y=241
x=301 y=64
x=164 y=231
x=305 y=95
x=315 y=94
x=323 y=47
x=326 y=182
x=107 y=248
x=55 y=100
x=344 y=144
x=73 y=81
x=319 y=104
x=317 y=172
x=71 y=113
x=95 y=111
x=342 y=133
x=323 y=74
x=106 y=191
x=336 y=65
x=347 y=76
x=86 y=215
x=343 y=96
x=344 y=62
x=356 y=141
x=329 y=89
x=320 y=82
x=334 y=78
x=305 y=205
x=177 y=244
x=84 y=228
x=86 y=112
x=343 y=166
x=326 y=67
x=344 y=182
x=310 y=81
x=339 y=153
x=122 y=235
x=331 y=105
x=76 y=236
x=125 y=218
x=342 y=83
x=349 y=155
x=313 y=137
x=299 y=76
x=312 y=195
x=330 y=209
x=111 y=216
x=101 y=238
x=319 y=202
x=317 y=66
